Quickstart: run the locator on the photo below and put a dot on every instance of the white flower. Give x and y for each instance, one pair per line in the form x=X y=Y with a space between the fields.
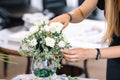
x=33 y=42
x=47 y=28
x=61 y=44
x=65 y=38
x=56 y=27
x=34 y=29
x=50 y=41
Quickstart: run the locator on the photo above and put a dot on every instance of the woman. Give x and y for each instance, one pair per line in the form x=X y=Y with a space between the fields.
x=112 y=53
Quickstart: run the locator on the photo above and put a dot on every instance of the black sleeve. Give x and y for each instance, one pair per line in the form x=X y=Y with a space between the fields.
x=101 y=4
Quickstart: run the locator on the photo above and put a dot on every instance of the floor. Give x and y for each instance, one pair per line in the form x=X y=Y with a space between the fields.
x=97 y=69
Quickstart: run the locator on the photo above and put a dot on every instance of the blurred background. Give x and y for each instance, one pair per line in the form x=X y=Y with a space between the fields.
x=17 y=14
x=12 y=11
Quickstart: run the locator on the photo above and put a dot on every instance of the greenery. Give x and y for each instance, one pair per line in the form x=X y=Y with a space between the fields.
x=72 y=78
x=3 y=58
x=45 y=42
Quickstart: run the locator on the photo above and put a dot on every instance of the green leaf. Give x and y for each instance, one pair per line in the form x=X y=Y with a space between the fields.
x=72 y=78
x=5 y=56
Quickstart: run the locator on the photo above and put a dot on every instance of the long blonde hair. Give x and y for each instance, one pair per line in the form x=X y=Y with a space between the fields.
x=112 y=18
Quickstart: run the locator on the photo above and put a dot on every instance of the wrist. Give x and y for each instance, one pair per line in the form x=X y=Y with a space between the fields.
x=98 y=56
x=70 y=16
x=91 y=53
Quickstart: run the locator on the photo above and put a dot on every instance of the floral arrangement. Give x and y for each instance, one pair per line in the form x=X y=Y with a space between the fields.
x=45 y=42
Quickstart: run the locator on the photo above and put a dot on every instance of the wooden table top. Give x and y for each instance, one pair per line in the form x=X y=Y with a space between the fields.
x=9 y=51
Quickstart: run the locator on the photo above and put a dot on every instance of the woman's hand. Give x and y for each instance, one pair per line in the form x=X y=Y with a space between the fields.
x=78 y=54
x=64 y=19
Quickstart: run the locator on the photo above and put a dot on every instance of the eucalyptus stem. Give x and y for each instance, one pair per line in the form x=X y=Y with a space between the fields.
x=8 y=61
x=1 y=54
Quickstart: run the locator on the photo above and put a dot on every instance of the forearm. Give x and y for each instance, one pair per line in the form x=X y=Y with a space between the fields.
x=77 y=15
x=83 y=11
x=110 y=52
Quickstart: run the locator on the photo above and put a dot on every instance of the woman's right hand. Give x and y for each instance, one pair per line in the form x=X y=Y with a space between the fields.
x=64 y=19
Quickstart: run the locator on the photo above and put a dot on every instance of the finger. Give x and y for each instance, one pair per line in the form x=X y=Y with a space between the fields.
x=51 y=22
x=70 y=56
x=65 y=24
x=69 y=52
x=71 y=60
x=65 y=51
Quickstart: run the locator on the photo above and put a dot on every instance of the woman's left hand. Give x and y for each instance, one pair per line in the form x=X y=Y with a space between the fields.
x=78 y=54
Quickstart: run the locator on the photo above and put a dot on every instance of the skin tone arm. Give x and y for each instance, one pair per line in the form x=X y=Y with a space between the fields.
x=79 y=54
x=83 y=11
x=77 y=14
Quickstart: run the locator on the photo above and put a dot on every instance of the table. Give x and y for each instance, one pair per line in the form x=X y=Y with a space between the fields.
x=54 y=77
x=9 y=47
x=87 y=34
x=83 y=36
x=87 y=37
x=4 y=37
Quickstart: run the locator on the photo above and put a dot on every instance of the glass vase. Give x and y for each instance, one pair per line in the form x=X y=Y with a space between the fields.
x=42 y=68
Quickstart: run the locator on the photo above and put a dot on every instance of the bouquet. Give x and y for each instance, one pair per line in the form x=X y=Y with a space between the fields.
x=45 y=42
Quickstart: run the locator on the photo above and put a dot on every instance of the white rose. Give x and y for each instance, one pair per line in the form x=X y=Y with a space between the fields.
x=56 y=27
x=34 y=29
x=50 y=41
x=47 y=28
x=61 y=44
x=33 y=42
